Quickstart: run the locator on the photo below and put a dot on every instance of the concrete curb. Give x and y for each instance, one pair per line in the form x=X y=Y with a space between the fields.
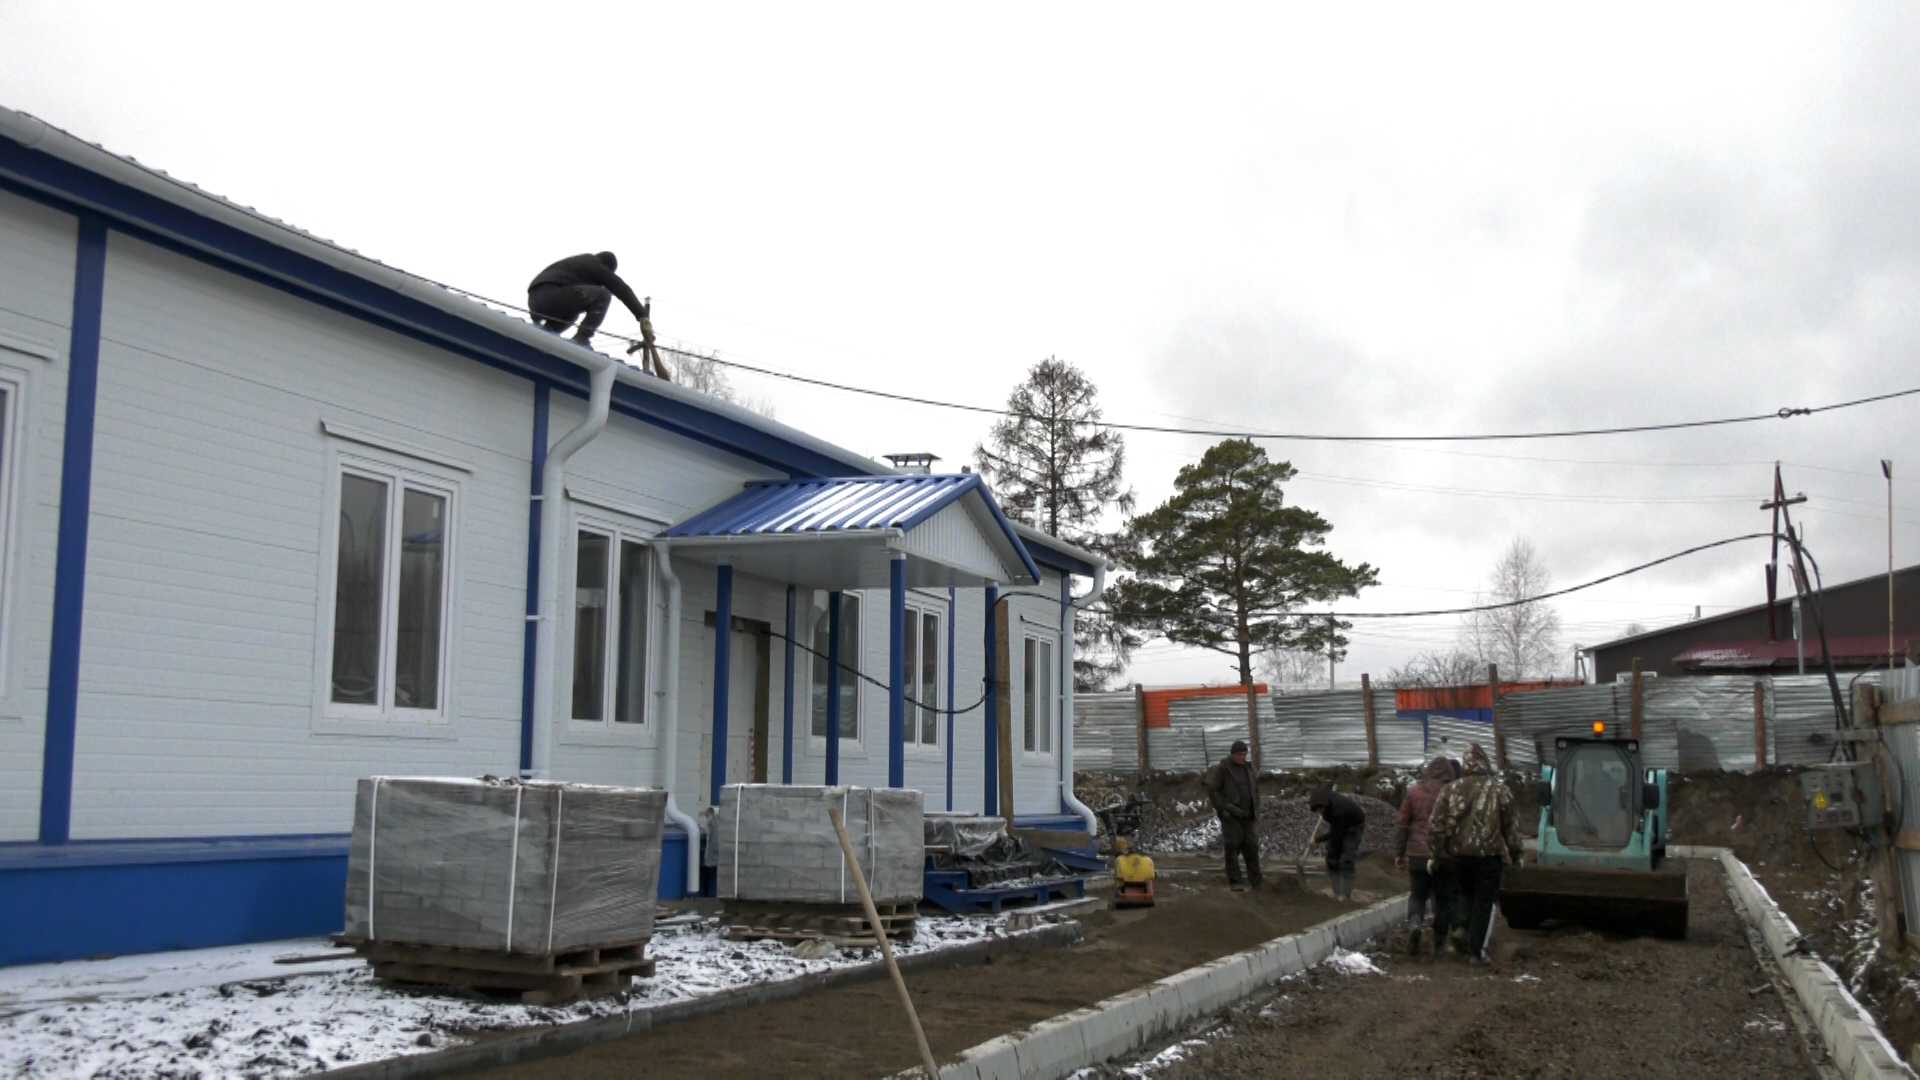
x=562 y=1039
x=1119 y=1025
x=1853 y=1041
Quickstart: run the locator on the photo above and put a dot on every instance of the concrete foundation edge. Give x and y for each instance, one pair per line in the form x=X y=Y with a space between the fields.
x=1057 y=1048
x=1852 y=1039
x=567 y=1038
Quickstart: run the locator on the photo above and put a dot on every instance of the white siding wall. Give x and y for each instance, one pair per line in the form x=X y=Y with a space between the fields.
x=969 y=687
x=37 y=249
x=1036 y=777
x=639 y=477
x=201 y=668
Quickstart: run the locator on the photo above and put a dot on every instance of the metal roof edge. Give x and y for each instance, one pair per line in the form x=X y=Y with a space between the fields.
x=1737 y=612
x=1058 y=553
x=37 y=136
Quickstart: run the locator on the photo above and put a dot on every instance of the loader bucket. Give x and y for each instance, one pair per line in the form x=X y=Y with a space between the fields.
x=1631 y=901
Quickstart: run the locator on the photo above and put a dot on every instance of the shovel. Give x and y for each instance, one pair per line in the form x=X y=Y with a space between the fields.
x=1300 y=864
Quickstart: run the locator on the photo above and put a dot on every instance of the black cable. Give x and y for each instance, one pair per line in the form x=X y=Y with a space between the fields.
x=1485 y=607
x=1783 y=413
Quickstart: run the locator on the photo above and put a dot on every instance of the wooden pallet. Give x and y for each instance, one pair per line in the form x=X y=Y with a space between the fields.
x=551 y=979
x=846 y=926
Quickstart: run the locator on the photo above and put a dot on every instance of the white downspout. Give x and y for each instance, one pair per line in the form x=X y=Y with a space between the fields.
x=553 y=477
x=1066 y=726
x=670 y=720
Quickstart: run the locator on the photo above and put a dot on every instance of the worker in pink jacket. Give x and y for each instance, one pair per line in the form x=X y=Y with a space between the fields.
x=1412 y=852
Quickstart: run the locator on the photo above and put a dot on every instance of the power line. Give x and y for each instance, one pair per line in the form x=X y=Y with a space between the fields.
x=1490 y=607
x=1783 y=413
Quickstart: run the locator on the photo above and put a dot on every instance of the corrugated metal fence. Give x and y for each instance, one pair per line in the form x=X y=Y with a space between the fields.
x=1690 y=723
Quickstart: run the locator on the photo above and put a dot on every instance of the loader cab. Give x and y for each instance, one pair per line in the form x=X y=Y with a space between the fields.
x=1598 y=793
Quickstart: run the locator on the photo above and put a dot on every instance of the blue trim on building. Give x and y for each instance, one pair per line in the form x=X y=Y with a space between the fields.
x=833 y=689
x=722 y=676
x=786 y=707
x=896 y=671
x=1057 y=559
x=70 y=560
x=953 y=632
x=43 y=178
x=542 y=401
x=992 y=797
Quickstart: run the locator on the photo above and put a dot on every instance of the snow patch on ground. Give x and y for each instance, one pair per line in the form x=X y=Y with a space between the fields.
x=1178 y=1052
x=230 y=1013
x=1352 y=963
x=1765 y=1025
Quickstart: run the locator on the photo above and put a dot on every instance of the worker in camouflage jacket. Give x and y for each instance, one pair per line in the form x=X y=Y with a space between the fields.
x=1234 y=791
x=1474 y=825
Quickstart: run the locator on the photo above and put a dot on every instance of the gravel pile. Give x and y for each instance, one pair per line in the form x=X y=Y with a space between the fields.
x=1285 y=824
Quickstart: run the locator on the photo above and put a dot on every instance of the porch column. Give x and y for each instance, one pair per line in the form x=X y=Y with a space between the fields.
x=833 y=688
x=722 y=665
x=896 y=670
x=951 y=626
x=993 y=708
x=786 y=708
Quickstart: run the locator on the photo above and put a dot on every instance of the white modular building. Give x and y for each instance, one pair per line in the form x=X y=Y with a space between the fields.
x=275 y=516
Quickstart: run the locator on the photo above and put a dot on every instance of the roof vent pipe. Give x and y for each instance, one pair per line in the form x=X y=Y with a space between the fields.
x=552 y=497
x=670 y=715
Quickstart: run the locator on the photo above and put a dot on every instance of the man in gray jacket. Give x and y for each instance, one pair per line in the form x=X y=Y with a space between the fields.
x=1235 y=794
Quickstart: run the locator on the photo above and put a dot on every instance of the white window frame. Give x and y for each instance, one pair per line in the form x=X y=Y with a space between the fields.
x=607 y=729
x=1046 y=647
x=399 y=480
x=817 y=744
x=918 y=611
x=14 y=444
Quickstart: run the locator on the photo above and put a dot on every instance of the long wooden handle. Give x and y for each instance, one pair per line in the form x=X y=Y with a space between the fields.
x=886 y=947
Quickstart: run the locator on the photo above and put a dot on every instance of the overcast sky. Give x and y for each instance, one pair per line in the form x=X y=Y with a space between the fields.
x=1393 y=222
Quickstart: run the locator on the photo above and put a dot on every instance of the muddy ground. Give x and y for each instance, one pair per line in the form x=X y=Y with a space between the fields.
x=1557 y=1002
x=859 y=1031
x=1821 y=882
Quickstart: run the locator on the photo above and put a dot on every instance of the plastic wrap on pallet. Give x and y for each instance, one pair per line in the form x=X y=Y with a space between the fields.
x=503 y=865
x=775 y=842
x=965 y=835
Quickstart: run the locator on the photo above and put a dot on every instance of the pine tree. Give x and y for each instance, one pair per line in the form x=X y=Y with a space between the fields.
x=1053 y=456
x=1222 y=563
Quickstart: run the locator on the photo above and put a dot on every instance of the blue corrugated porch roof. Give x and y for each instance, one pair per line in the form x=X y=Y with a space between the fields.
x=850 y=508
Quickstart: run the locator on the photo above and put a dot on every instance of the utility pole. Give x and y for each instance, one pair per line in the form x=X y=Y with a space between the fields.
x=1886 y=469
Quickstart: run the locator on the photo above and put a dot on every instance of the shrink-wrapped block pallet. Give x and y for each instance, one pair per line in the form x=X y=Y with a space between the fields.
x=506 y=866
x=775 y=843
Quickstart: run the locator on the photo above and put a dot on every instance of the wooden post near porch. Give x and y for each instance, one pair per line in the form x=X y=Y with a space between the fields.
x=1366 y=704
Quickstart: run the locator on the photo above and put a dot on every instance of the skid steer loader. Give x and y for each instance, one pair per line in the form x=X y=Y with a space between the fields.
x=1603 y=845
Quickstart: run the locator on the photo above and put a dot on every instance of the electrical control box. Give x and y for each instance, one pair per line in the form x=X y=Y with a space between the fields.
x=1842 y=796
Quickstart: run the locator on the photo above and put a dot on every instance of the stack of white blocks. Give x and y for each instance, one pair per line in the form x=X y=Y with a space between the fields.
x=775 y=843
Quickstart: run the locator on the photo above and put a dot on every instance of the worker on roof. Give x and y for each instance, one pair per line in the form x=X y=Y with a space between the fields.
x=577 y=286
x=1345 y=821
x=1427 y=876
x=1474 y=824
x=1235 y=794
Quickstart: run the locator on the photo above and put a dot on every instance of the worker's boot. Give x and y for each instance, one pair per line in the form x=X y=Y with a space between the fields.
x=1416 y=914
x=1441 y=947
x=1346 y=885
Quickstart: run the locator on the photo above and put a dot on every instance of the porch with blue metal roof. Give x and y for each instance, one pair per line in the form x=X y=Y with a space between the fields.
x=867 y=532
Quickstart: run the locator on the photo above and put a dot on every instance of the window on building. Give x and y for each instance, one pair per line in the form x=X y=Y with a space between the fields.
x=1037 y=695
x=850 y=662
x=9 y=439
x=390 y=593
x=612 y=605
x=924 y=648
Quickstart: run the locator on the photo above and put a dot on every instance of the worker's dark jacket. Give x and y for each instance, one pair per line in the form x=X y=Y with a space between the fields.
x=1231 y=789
x=1342 y=813
x=587 y=270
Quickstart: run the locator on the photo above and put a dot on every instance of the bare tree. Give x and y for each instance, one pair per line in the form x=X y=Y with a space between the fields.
x=1293 y=670
x=707 y=375
x=1523 y=639
x=1449 y=667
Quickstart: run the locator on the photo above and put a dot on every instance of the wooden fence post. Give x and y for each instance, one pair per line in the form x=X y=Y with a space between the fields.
x=1759 y=726
x=1639 y=697
x=1366 y=702
x=1499 y=736
x=1140 y=726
